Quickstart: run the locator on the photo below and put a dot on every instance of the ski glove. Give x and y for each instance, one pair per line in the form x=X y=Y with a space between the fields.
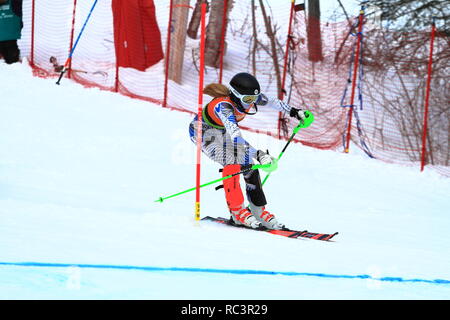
x=299 y=114
x=265 y=158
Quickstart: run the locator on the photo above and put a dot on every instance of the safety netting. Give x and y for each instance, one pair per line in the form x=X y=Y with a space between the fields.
x=141 y=49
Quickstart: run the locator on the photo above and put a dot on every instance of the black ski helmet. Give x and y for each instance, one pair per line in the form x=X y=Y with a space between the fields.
x=245 y=84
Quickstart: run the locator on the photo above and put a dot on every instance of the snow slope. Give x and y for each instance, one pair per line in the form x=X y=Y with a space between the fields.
x=80 y=169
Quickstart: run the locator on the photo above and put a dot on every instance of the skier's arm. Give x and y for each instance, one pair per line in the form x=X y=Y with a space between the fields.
x=273 y=103
x=225 y=112
x=281 y=106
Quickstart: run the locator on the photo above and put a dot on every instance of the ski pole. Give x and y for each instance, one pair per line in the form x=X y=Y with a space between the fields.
x=309 y=118
x=246 y=169
x=66 y=65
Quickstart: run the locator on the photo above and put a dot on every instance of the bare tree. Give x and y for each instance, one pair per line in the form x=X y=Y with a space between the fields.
x=408 y=15
x=196 y=17
x=271 y=34
x=396 y=65
x=350 y=31
x=216 y=30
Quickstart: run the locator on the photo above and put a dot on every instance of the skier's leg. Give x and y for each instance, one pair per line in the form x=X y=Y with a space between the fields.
x=255 y=193
x=257 y=201
x=2 y=49
x=11 y=52
x=217 y=145
x=235 y=199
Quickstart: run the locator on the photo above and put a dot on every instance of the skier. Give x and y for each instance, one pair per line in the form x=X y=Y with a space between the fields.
x=222 y=142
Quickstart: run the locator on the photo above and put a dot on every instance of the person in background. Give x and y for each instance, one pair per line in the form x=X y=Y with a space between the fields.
x=10 y=29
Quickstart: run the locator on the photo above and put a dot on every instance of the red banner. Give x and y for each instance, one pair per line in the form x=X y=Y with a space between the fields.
x=136 y=34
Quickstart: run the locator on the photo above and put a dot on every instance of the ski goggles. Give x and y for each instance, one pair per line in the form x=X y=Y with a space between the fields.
x=245 y=98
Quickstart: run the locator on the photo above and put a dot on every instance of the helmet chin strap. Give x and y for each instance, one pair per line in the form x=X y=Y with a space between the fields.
x=249 y=113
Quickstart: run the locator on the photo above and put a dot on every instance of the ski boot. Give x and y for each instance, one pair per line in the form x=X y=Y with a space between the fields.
x=267 y=219
x=246 y=218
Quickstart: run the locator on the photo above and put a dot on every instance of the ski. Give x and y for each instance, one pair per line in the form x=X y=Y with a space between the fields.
x=288 y=233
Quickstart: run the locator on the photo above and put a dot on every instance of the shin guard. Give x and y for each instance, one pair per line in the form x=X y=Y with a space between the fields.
x=232 y=187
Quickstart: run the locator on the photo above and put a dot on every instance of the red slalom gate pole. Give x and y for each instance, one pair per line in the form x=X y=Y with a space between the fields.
x=33 y=12
x=355 y=72
x=199 y=116
x=427 y=98
x=116 y=79
x=166 y=67
x=286 y=55
x=117 y=69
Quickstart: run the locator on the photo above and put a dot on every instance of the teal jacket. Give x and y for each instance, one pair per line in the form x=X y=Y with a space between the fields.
x=10 y=22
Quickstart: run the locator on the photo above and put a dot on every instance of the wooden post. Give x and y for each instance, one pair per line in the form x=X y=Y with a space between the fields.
x=178 y=39
x=313 y=32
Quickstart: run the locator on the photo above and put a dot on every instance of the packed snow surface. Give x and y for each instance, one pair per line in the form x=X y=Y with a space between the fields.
x=80 y=170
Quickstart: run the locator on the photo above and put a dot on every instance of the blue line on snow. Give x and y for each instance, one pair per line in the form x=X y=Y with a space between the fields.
x=229 y=271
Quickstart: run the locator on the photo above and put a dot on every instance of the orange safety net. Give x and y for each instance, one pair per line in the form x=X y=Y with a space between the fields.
x=389 y=100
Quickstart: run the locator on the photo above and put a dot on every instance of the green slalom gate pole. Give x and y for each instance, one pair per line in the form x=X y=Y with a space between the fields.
x=309 y=118
x=265 y=167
